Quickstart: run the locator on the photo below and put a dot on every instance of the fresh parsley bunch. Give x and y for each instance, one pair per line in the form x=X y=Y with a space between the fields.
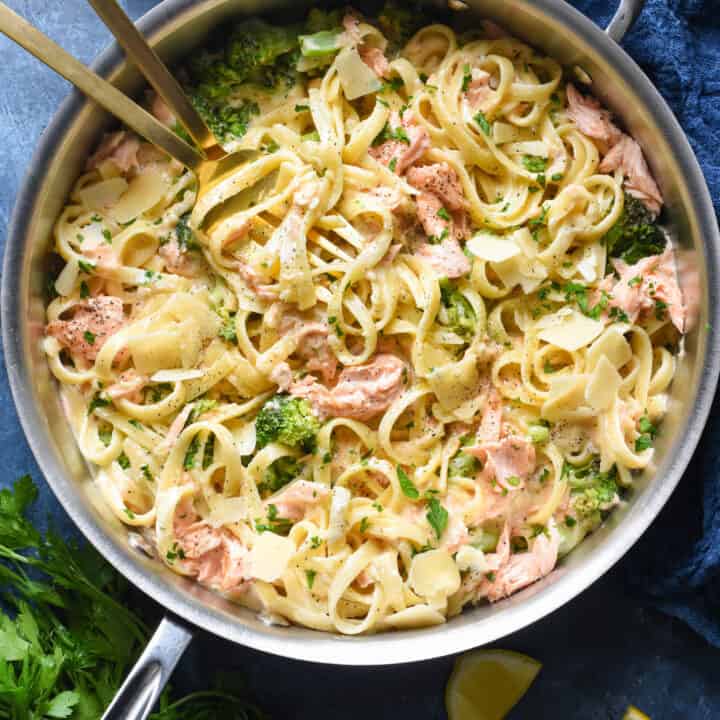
x=68 y=633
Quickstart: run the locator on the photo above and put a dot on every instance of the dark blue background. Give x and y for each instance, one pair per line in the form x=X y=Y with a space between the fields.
x=601 y=652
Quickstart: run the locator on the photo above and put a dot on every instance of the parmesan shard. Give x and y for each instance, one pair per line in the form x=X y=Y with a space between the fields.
x=270 y=556
x=569 y=329
x=603 y=385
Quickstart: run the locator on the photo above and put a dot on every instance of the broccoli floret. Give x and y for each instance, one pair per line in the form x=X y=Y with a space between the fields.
x=279 y=474
x=463 y=465
x=400 y=21
x=226 y=122
x=456 y=313
x=591 y=491
x=256 y=53
x=289 y=421
x=319 y=20
x=635 y=235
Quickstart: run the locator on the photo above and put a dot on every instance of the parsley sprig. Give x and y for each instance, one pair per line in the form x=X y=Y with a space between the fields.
x=70 y=628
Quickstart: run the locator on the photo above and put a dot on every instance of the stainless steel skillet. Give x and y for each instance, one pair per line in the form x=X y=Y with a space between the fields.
x=175 y=26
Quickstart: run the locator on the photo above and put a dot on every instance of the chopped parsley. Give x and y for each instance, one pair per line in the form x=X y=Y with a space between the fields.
x=315 y=542
x=364 y=525
x=97 y=402
x=310 y=576
x=107 y=235
x=87 y=267
x=534 y=163
x=392 y=164
x=437 y=516
x=467 y=77
x=84 y=290
x=482 y=121
x=123 y=461
x=89 y=337
x=407 y=485
x=388 y=133
x=660 y=309
x=443 y=214
x=191 y=453
x=648 y=433
x=634 y=281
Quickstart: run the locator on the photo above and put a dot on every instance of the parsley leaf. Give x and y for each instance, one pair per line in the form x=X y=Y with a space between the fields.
x=482 y=121
x=437 y=516
x=407 y=485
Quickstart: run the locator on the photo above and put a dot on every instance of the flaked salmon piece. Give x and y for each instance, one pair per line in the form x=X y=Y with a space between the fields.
x=651 y=284
x=391 y=254
x=478 y=90
x=509 y=461
x=92 y=323
x=403 y=153
x=311 y=337
x=447 y=259
x=121 y=147
x=440 y=204
x=372 y=56
x=362 y=391
x=441 y=180
x=491 y=422
x=129 y=386
x=523 y=569
x=293 y=501
x=160 y=109
x=592 y=119
x=214 y=556
x=375 y=59
x=176 y=427
x=178 y=260
x=255 y=282
x=104 y=256
x=626 y=155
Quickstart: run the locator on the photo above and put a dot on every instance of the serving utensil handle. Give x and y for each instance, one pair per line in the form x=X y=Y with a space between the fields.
x=99 y=90
x=623 y=19
x=143 y=686
x=152 y=67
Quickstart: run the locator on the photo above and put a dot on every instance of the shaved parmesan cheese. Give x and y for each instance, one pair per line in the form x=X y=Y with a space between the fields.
x=338 y=514
x=66 y=279
x=569 y=329
x=176 y=375
x=611 y=345
x=456 y=382
x=567 y=393
x=434 y=574
x=505 y=132
x=356 y=78
x=472 y=559
x=416 y=616
x=521 y=270
x=492 y=248
x=154 y=351
x=270 y=556
x=227 y=510
x=102 y=195
x=603 y=386
x=145 y=191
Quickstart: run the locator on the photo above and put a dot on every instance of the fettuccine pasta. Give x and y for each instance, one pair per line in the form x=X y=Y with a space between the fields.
x=399 y=359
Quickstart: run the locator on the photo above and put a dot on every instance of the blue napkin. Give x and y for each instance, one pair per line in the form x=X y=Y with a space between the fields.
x=677 y=562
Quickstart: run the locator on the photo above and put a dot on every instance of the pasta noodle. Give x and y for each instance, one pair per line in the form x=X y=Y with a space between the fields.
x=387 y=366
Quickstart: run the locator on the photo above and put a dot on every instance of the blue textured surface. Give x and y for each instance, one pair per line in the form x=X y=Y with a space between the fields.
x=605 y=649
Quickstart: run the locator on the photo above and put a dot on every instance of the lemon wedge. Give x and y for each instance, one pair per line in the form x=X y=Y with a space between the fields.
x=486 y=684
x=632 y=713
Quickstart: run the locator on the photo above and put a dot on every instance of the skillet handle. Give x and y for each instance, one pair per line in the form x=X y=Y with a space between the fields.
x=142 y=687
x=623 y=19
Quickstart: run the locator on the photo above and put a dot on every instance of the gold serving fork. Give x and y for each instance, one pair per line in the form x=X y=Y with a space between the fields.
x=207 y=160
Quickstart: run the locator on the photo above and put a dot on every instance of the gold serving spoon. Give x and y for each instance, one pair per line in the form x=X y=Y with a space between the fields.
x=207 y=160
